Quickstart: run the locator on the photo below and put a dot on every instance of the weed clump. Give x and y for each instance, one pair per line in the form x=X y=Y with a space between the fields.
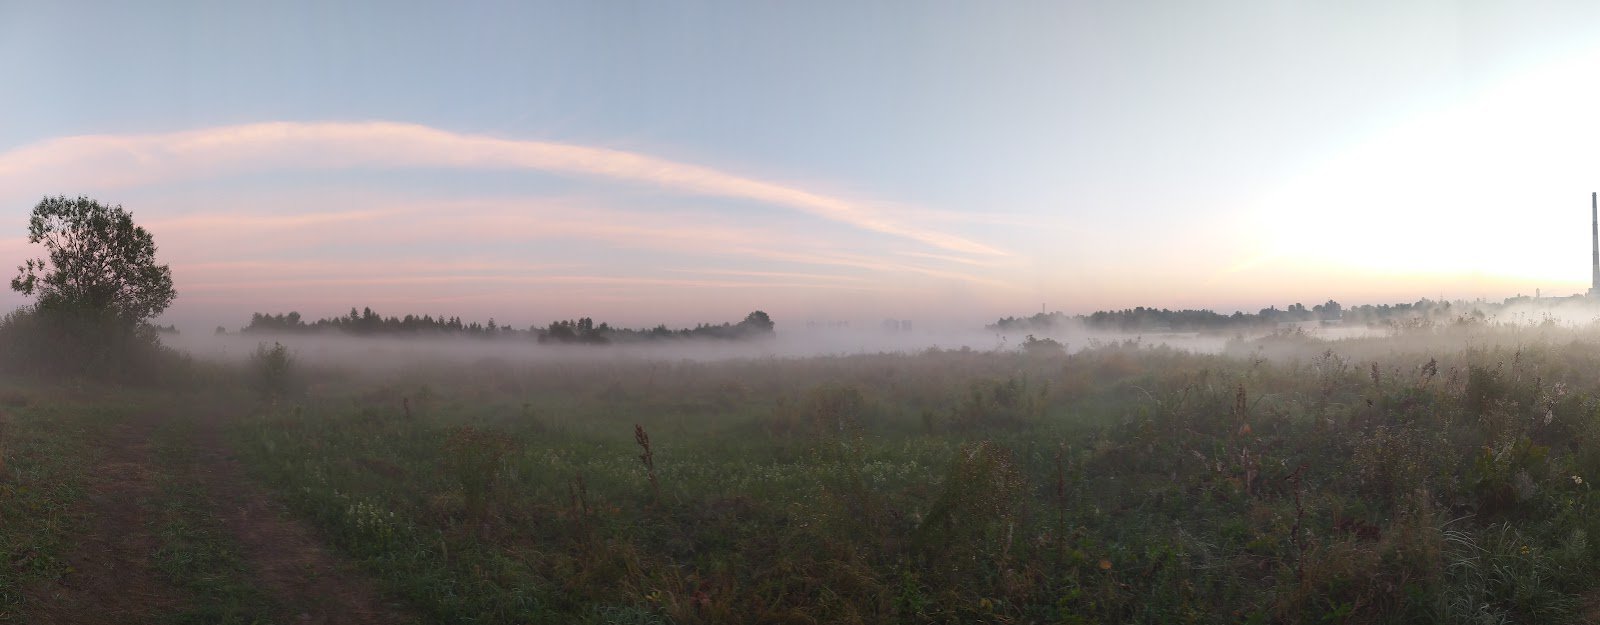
x=996 y=404
x=826 y=412
x=474 y=457
x=975 y=516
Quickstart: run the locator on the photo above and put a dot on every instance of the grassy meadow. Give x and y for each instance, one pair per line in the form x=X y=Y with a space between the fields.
x=1438 y=474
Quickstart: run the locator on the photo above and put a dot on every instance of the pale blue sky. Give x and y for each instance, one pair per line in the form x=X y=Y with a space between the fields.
x=988 y=156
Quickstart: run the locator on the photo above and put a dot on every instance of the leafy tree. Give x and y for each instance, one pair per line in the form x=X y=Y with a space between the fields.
x=98 y=287
x=1329 y=311
x=757 y=323
x=99 y=262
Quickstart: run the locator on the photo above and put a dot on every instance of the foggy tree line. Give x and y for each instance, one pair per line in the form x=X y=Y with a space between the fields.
x=366 y=321
x=1191 y=320
x=584 y=330
x=756 y=324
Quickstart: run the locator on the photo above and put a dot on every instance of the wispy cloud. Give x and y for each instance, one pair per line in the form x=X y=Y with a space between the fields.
x=401 y=225
x=986 y=262
x=122 y=160
x=198 y=240
x=465 y=279
x=868 y=262
x=769 y=274
x=257 y=222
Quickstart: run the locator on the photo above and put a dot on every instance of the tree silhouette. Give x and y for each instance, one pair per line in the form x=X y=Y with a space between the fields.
x=97 y=287
x=99 y=262
x=756 y=324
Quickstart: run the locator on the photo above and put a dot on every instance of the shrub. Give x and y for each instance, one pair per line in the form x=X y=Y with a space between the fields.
x=474 y=457
x=826 y=412
x=997 y=404
x=74 y=342
x=274 y=370
x=1043 y=347
x=975 y=516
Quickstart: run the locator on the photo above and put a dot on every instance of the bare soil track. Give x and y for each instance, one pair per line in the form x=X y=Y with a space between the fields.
x=113 y=579
x=285 y=554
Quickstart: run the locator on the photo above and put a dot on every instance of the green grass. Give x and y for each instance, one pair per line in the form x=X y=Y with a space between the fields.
x=196 y=552
x=1122 y=484
x=45 y=454
x=1438 y=475
x=53 y=437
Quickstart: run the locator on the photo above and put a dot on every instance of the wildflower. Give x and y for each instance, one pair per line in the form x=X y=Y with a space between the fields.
x=1105 y=565
x=1526 y=549
x=1578 y=480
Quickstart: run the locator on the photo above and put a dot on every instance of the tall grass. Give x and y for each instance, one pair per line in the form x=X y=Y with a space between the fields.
x=1350 y=481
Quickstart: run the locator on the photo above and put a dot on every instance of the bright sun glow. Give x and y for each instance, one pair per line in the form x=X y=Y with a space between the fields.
x=1519 y=158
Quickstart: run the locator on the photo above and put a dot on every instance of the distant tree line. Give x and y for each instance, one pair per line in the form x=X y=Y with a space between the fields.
x=365 y=322
x=1202 y=320
x=755 y=325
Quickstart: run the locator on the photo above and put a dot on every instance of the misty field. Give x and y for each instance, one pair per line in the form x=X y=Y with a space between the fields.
x=1436 y=474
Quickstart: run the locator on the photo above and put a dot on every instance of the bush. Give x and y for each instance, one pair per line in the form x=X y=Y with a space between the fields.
x=274 y=370
x=1043 y=347
x=474 y=457
x=828 y=412
x=975 y=518
x=76 y=342
x=996 y=404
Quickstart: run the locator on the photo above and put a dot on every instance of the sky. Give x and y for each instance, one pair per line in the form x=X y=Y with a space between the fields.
x=946 y=162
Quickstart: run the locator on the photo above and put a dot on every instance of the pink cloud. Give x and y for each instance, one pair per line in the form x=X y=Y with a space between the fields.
x=463 y=279
x=210 y=222
x=129 y=160
x=203 y=238
x=228 y=262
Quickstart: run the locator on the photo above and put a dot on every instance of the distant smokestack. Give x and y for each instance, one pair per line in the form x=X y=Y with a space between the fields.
x=1594 y=227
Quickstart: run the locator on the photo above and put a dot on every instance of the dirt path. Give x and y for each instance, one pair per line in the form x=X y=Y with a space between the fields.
x=113 y=579
x=288 y=560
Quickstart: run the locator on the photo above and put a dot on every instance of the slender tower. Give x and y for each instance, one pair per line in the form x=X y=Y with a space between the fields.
x=1594 y=214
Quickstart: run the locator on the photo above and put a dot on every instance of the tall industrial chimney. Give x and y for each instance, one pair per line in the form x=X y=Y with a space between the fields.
x=1594 y=214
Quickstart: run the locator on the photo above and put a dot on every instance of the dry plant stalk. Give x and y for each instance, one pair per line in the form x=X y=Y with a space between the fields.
x=1428 y=372
x=1241 y=410
x=1061 y=493
x=648 y=458
x=579 y=493
x=1297 y=534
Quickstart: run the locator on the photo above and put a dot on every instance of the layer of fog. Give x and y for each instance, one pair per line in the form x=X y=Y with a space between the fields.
x=334 y=348
x=345 y=350
x=1460 y=327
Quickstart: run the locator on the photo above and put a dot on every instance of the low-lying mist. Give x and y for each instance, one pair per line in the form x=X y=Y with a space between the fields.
x=378 y=353
x=1465 y=325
